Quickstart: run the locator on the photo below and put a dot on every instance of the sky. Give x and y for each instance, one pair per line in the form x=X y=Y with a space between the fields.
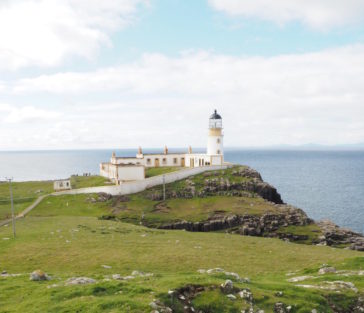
x=85 y=74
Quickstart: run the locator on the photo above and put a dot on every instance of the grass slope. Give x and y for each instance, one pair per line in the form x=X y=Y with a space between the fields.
x=25 y=193
x=71 y=241
x=65 y=237
x=154 y=171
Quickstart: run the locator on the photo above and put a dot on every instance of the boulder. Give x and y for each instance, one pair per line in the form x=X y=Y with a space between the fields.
x=231 y=296
x=280 y=307
x=326 y=270
x=246 y=294
x=80 y=281
x=227 y=286
x=39 y=275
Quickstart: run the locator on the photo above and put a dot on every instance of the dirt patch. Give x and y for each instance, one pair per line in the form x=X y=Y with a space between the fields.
x=161 y=207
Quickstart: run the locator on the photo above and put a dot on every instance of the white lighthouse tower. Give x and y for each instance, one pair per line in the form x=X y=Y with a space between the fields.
x=215 y=137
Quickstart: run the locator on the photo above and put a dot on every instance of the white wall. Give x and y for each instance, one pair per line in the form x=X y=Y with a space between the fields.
x=62 y=185
x=215 y=144
x=129 y=173
x=164 y=159
x=127 y=161
x=137 y=186
x=217 y=159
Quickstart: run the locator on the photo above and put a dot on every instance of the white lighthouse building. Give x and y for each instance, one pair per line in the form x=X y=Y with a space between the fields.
x=215 y=137
x=121 y=169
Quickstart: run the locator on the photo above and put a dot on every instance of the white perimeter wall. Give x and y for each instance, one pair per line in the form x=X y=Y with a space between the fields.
x=128 y=173
x=137 y=186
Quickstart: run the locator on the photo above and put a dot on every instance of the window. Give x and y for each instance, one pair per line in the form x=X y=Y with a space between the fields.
x=218 y=152
x=174 y=160
x=164 y=161
x=148 y=161
x=218 y=140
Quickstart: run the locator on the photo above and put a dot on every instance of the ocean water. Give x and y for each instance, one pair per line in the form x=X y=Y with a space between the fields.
x=326 y=184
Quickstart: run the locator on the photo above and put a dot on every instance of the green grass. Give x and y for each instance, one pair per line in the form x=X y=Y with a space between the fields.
x=71 y=205
x=157 y=213
x=64 y=237
x=88 y=181
x=312 y=232
x=154 y=171
x=24 y=194
x=66 y=246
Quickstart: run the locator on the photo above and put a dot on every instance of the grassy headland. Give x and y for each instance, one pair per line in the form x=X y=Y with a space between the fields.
x=65 y=237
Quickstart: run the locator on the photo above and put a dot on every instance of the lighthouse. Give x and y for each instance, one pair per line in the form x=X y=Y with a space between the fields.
x=129 y=168
x=215 y=136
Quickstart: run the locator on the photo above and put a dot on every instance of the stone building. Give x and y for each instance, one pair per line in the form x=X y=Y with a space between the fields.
x=121 y=169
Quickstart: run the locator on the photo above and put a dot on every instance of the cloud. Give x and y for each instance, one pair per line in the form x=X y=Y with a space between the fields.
x=45 y=32
x=15 y=115
x=317 y=14
x=287 y=99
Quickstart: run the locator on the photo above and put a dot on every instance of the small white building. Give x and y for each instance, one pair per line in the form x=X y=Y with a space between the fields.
x=121 y=169
x=60 y=185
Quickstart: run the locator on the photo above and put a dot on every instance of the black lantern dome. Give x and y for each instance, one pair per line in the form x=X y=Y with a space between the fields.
x=215 y=116
x=215 y=120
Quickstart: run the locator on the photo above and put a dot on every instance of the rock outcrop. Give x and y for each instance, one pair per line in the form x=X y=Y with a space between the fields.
x=251 y=184
x=335 y=235
x=252 y=225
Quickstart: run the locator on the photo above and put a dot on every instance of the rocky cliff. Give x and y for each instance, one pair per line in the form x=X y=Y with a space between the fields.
x=275 y=219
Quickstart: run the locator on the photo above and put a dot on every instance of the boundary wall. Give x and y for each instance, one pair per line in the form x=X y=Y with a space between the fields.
x=127 y=188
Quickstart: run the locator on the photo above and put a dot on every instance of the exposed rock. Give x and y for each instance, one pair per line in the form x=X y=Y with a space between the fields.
x=141 y=274
x=103 y=197
x=325 y=270
x=117 y=277
x=299 y=278
x=215 y=270
x=215 y=185
x=337 y=285
x=335 y=235
x=227 y=286
x=6 y=274
x=359 y=306
x=251 y=225
x=247 y=295
x=231 y=297
x=39 y=275
x=281 y=308
x=80 y=281
x=133 y=275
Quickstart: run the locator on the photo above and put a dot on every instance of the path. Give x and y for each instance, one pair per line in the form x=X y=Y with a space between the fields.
x=128 y=187
x=24 y=212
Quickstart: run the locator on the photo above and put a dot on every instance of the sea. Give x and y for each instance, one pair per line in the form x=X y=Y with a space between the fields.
x=325 y=184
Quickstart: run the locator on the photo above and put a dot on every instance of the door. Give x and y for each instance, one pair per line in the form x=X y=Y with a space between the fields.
x=192 y=162
x=183 y=162
x=156 y=162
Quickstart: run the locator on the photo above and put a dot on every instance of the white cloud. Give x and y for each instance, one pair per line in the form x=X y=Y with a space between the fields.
x=18 y=115
x=318 y=14
x=45 y=32
x=287 y=99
